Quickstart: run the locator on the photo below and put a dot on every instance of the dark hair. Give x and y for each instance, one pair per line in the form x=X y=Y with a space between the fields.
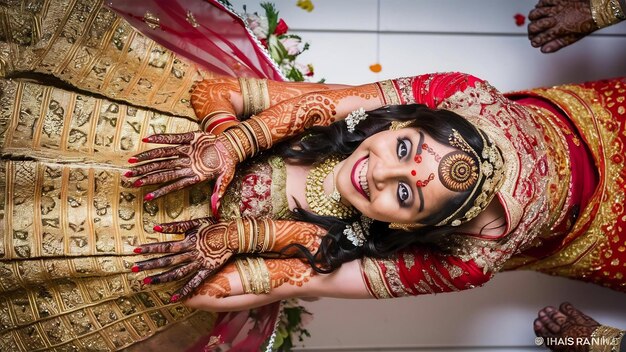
x=383 y=241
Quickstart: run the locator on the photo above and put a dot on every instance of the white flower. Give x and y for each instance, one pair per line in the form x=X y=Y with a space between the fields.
x=258 y=25
x=292 y=45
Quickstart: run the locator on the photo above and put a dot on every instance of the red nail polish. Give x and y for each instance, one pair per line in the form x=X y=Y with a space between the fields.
x=134 y=269
x=138 y=183
x=145 y=139
x=158 y=228
x=133 y=160
x=128 y=174
x=148 y=197
x=137 y=250
x=147 y=280
x=175 y=298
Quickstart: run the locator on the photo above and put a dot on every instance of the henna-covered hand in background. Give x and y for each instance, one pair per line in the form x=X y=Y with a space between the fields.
x=193 y=158
x=565 y=322
x=555 y=24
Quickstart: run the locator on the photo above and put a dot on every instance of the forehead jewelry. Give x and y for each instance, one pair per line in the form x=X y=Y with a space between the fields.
x=483 y=175
x=358 y=231
x=458 y=171
x=354 y=118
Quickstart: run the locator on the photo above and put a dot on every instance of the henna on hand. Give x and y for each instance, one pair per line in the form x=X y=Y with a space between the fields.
x=555 y=24
x=204 y=250
x=216 y=94
x=566 y=322
x=198 y=157
x=294 y=116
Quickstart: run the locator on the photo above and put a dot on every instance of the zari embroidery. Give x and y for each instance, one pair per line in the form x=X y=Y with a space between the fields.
x=389 y=94
x=591 y=241
x=405 y=87
x=373 y=276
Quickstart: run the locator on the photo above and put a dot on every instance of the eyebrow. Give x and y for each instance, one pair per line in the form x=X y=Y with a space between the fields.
x=420 y=143
x=419 y=189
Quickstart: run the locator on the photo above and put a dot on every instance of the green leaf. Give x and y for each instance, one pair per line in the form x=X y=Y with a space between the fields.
x=272 y=16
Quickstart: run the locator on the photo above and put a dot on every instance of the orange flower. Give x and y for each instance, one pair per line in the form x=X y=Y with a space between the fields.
x=376 y=68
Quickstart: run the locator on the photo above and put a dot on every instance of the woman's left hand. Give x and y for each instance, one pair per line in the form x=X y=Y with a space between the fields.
x=195 y=157
x=203 y=252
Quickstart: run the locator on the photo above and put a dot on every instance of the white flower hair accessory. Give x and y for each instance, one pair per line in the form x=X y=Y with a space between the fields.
x=354 y=118
x=358 y=231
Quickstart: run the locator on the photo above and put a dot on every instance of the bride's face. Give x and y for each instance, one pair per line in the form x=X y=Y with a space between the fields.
x=393 y=176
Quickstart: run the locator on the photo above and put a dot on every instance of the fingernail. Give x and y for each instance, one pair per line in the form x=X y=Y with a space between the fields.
x=175 y=298
x=135 y=269
x=137 y=250
x=158 y=228
x=148 y=197
x=145 y=139
x=147 y=280
x=138 y=183
x=129 y=173
x=133 y=160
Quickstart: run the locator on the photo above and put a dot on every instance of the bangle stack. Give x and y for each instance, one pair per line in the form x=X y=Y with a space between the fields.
x=606 y=339
x=255 y=95
x=218 y=121
x=254 y=274
x=606 y=12
x=255 y=236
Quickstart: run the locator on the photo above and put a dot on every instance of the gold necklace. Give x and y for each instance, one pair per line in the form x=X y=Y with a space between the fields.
x=319 y=202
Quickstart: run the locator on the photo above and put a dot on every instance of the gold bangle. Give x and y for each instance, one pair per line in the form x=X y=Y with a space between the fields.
x=606 y=12
x=255 y=95
x=244 y=274
x=605 y=339
x=206 y=120
x=261 y=131
x=234 y=142
x=259 y=275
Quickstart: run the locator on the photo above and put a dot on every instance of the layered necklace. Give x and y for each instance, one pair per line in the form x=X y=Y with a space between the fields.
x=319 y=202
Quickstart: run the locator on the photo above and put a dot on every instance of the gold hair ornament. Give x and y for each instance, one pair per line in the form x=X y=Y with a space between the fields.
x=398 y=125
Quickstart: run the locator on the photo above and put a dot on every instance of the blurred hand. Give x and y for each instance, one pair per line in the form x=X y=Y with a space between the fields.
x=565 y=322
x=555 y=24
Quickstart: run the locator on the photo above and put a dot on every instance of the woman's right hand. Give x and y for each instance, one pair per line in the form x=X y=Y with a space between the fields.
x=193 y=158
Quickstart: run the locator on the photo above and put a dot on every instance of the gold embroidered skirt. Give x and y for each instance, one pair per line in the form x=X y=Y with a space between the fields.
x=67 y=225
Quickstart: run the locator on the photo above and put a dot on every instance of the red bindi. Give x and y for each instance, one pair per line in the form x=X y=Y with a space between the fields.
x=417 y=159
x=413 y=172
